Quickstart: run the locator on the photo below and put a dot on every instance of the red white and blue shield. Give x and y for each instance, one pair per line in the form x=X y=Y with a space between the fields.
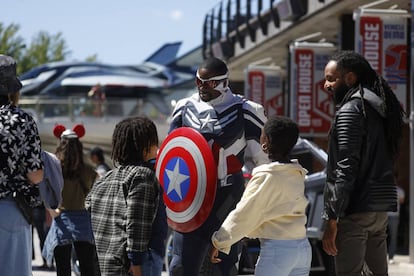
x=188 y=173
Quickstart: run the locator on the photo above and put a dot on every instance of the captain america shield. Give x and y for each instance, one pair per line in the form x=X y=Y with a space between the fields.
x=188 y=173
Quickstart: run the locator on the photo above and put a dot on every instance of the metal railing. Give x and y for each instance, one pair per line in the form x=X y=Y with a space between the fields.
x=98 y=117
x=232 y=21
x=78 y=108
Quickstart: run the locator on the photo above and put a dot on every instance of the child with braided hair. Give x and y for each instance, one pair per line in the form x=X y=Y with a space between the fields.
x=124 y=203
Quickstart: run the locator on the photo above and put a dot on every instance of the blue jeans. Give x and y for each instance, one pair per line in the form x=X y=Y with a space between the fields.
x=15 y=240
x=152 y=264
x=284 y=257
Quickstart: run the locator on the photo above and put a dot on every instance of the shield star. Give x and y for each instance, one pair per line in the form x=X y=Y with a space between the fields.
x=176 y=178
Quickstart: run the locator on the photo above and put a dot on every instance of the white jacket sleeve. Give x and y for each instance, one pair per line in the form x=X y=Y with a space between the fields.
x=245 y=217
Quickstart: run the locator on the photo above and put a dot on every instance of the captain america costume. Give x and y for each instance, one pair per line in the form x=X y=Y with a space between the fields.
x=232 y=126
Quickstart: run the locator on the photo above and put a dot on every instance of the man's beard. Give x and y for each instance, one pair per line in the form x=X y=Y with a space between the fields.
x=339 y=93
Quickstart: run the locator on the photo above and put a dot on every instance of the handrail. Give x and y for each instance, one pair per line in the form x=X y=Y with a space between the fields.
x=73 y=108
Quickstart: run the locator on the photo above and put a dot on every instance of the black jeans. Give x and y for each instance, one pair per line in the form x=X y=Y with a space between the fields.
x=39 y=222
x=86 y=254
x=190 y=251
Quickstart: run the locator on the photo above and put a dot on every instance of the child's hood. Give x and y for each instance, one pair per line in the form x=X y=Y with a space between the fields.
x=276 y=166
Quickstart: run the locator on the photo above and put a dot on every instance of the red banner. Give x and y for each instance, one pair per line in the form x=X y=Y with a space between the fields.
x=311 y=106
x=264 y=86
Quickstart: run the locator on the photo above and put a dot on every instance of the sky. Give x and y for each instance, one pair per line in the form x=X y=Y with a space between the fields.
x=117 y=31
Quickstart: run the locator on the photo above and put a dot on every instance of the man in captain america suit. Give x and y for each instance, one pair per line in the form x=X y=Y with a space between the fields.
x=232 y=126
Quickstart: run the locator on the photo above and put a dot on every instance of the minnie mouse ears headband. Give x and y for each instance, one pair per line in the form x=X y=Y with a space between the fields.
x=61 y=132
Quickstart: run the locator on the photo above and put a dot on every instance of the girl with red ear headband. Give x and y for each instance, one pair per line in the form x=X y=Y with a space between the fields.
x=72 y=224
x=61 y=132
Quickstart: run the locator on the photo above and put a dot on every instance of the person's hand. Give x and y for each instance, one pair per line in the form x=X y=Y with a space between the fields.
x=214 y=255
x=53 y=212
x=135 y=270
x=329 y=238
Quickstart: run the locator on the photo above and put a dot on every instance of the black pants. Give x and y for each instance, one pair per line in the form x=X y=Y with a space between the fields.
x=189 y=253
x=86 y=254
x=190 y=249
x=39 y=222
x=362 y=240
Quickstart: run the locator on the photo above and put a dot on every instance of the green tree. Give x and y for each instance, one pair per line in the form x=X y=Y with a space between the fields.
x=10 y=42
x=92 y=58
x=43 y=48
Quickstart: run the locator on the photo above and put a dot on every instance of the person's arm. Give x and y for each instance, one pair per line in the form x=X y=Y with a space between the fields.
x=32 y=158
x=350 y=134
x=401 y=195
x=135 y=270
x=247 y=215
x=176 y=116
x=142 y=201
x=35 y=177
x=329 y=238
x=254 y=120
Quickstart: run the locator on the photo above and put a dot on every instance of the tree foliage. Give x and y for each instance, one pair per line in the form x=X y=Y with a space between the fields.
x=43 y=48
x=10 y=43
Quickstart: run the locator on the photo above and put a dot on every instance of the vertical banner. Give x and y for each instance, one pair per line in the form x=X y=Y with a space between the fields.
x=310 y=105
x=381 y=37
x=264 y=85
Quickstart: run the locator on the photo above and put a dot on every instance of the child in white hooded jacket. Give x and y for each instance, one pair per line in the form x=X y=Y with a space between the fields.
x=272 y=208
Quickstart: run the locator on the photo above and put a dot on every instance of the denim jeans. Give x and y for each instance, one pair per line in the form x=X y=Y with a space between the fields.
x=15 y=240
x=284 y=257
x=393 y=222
x=152 y=264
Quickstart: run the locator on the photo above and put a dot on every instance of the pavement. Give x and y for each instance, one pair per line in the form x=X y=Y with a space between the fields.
x=401 y=267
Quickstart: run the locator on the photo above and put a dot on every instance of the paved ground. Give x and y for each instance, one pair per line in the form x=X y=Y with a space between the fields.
x=402 y=267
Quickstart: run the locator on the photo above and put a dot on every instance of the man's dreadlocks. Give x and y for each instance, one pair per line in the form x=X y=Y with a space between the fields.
x=349 y=61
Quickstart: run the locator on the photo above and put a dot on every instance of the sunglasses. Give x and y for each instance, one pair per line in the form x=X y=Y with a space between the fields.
x=211 y=82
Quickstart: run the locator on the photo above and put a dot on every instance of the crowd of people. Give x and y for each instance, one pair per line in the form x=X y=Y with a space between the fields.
x=114 y=220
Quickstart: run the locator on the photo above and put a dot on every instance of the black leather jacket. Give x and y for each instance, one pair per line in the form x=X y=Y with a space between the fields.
x=360 y=169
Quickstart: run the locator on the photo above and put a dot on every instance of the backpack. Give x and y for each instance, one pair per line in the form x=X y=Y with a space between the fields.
x=51 y=186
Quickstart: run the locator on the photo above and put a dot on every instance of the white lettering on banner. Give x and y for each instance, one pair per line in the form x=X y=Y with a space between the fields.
x=371 y=44
x=304 y=89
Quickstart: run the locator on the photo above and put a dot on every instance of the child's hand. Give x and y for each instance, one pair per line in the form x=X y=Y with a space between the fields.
x=135 y=270
x=213 y=255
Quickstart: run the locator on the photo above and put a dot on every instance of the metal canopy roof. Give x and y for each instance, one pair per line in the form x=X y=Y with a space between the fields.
x=323 y=19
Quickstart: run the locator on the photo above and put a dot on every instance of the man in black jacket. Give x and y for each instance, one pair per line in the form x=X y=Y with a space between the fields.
x=363 y=145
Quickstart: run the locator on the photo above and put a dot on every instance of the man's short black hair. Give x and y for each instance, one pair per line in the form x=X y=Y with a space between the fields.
x=215 y=65
x=282 y=133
